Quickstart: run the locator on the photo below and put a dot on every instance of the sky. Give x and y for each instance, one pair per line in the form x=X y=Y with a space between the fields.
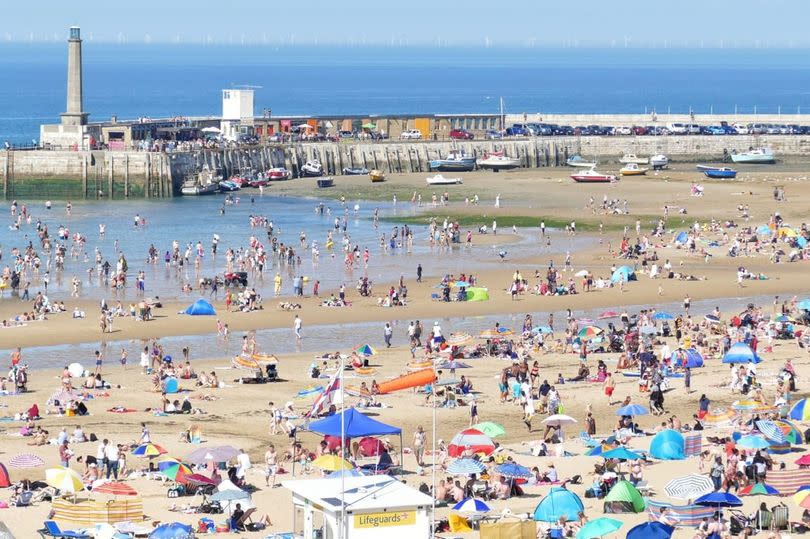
x=523 y=23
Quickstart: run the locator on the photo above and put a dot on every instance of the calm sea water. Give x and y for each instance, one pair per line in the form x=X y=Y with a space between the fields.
x=164 y=80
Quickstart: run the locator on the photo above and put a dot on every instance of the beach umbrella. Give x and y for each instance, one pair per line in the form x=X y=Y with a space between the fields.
x=64 y=479
x=337 y=474
x=753 y=442
x=115 y=488
x=465 y=467
x=174 y=530
x=712 y=319
x=558 y=420
x=597 y=451
x=369 y=125
x=75 y=370
x=651 y=530
x=332 y=463
x=471 y=505
x=804 y=460
x=758 y=489
x=173 y=469
x=511 y=470
x=197 y=480
x=599 y=527
x=772 y=432
x=661 y=315
x=148 y=450
x=689 y=487
x=764 y=230
x=461 y=284
x=365 y=350
x=719 y=499
x=787 y=232
x=542 y=329
x=792 y=434
x=582 y=273
x=609 y=314
x=5 y=480
x=746 y=405
x=783 y=318
x=496 y=333
x=26 y=460
x=621 y=453
x=589 y=332
x=719 y=418
x=493 y=430
x=476 y=440
x=632 y=410
x=802 y=494
x=585 y=321
x=800 y=411
x=804 y=305
x=453 y=364
x=459 y=339
x=203 y=455
x=741 y=353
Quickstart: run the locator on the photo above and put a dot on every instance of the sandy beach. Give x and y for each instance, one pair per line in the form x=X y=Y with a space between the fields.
x=239 y=414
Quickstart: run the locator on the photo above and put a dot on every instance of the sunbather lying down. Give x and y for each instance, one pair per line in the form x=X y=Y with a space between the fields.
x=243 y=520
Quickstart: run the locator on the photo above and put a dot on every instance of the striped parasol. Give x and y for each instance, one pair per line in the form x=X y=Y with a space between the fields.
x=719 y=418
x=495 y=333
x=115 y=488
x=758 y=489
x=772 y=432
x=148 y=450
x=458 y=339
x=173 y=468
x=26 y=460
x=689 y=487
x=465 y=467
x=476 y=440
x=510 y=470
x=64 y=479
x=609 y=314
x=746 y=405
x=589 y=332
x=471 y=505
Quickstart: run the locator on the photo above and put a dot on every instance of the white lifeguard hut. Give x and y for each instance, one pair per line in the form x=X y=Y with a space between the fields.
x=375 y=506
x=237 y=112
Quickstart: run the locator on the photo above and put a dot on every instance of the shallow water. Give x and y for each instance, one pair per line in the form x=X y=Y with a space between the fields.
x=335 y=337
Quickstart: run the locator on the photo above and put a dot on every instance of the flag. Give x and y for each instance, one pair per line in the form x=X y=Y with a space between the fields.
x=330 y=395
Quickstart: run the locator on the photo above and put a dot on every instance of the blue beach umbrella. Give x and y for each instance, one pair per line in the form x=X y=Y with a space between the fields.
x=511 y=470
x=719 y=499
x=632 y=410
x=471 y=505
x=337 y=474
x=663 y=316
x=175 y=530
x=621 y=453
x=753 y=442
x=542 y=329
x=651 y=530
x=598 y=527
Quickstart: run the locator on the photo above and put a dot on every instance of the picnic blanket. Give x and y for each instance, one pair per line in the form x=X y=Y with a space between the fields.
x=683 y=515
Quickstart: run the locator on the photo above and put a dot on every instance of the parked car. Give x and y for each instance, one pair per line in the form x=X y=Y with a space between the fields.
x=411 y=134
x=742 y=129
x=565 y=130
x=623 y=130
x=713 y=130
x=461 y=134
x=639 y=130
x=346 y=134
x=493 y=134
x=517 y=130
x=582 y=130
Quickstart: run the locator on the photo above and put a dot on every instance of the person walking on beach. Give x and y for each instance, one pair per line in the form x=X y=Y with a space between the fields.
x=473 y=413
x=387 y=333
x=417 y=333
x=271 y=465
x=419 y=439
x=277 y=284
x=419 y=273
x=297 y=327
x=498 y=201
x=609 y=386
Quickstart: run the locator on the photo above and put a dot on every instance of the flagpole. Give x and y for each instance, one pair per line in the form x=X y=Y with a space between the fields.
x=433 y=492
x=343 y=523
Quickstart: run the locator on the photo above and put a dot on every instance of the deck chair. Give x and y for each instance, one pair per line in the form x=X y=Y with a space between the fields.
x=24 y=499
x=764 y=519
x=781 y=517
x=588 y=440
x=51 y=529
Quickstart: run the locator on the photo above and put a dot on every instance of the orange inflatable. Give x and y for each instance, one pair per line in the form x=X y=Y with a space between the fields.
x=414 y=379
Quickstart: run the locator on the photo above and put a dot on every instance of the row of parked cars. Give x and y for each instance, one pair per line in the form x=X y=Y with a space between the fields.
x=674 y=128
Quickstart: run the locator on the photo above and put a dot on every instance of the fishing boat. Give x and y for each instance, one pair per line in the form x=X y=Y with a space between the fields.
x=578 y=162
x=279 y=173
x=632 y=169
x=194 y=188
x=438 y=179
x=326 y=182
x=659 y=161
x=592 y=176
x=722 y=173
x=633 y=158
x=376 y=176
x=227 y=186
x=756 y=156
x=498 y=161
x=355 y=171
x=312 y=168
x=455 y=161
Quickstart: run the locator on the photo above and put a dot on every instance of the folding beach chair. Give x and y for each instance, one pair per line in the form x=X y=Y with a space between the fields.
x=781 y=517
x=51 y=529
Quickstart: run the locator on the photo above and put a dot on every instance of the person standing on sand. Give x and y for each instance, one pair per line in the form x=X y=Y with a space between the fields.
x=277 y=284
x=498 y=200
x=590 y=424
x=609 y=386
x=387 y=333
x=419 y=439
x=271 y=465
x=297 y=327
x=473 y=413
x=419 y=273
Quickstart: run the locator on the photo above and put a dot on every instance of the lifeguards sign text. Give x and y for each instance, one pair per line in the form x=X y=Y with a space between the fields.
x=382 y=520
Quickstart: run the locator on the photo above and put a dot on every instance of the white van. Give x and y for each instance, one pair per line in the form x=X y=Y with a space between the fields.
x=677 y=128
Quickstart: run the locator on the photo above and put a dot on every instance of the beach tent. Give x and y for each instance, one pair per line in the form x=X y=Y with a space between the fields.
x=477 y=294
x=175 y=530
x=625 y=273
x=741 y=353
x=687 y=358
x=4 y=479
x=668 y=445
x=170 y=385
x=624 y=498
x=559 y=502
x=200 y=308
x=681 y=238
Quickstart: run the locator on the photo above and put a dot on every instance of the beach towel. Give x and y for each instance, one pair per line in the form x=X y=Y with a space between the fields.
x=119 y=410
x=681 y=515
x=788 y=482
x=692 y=445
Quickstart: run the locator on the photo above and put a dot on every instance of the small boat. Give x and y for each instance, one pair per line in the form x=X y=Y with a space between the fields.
x=757 y=156
x=312 y=169
x=592 y=176
x=355 y=171
x=633 y=158
x=659 y=161
x=376 y=176
x=632 y=169
x=578 y=162
x=498 y=161
x=326 y=182
x=227 y=185
x=279 y=173
x=194 y=188
x=438 y=179
x=723 y=173
x=455 y=161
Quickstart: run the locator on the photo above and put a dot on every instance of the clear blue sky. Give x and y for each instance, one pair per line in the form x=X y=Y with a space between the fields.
x=635 y=23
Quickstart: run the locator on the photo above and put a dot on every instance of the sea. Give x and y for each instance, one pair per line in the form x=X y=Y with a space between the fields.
x=163 y=80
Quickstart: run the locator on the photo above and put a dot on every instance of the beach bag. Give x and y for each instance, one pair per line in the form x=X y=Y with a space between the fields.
x=560 y=409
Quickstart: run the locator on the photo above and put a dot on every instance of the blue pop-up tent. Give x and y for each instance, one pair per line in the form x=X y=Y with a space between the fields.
x=559 y=502
x=625 y=273
x=668 y=445
x=687 y=358
x=200 y=308
x=741 y=353
x=681 y=238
